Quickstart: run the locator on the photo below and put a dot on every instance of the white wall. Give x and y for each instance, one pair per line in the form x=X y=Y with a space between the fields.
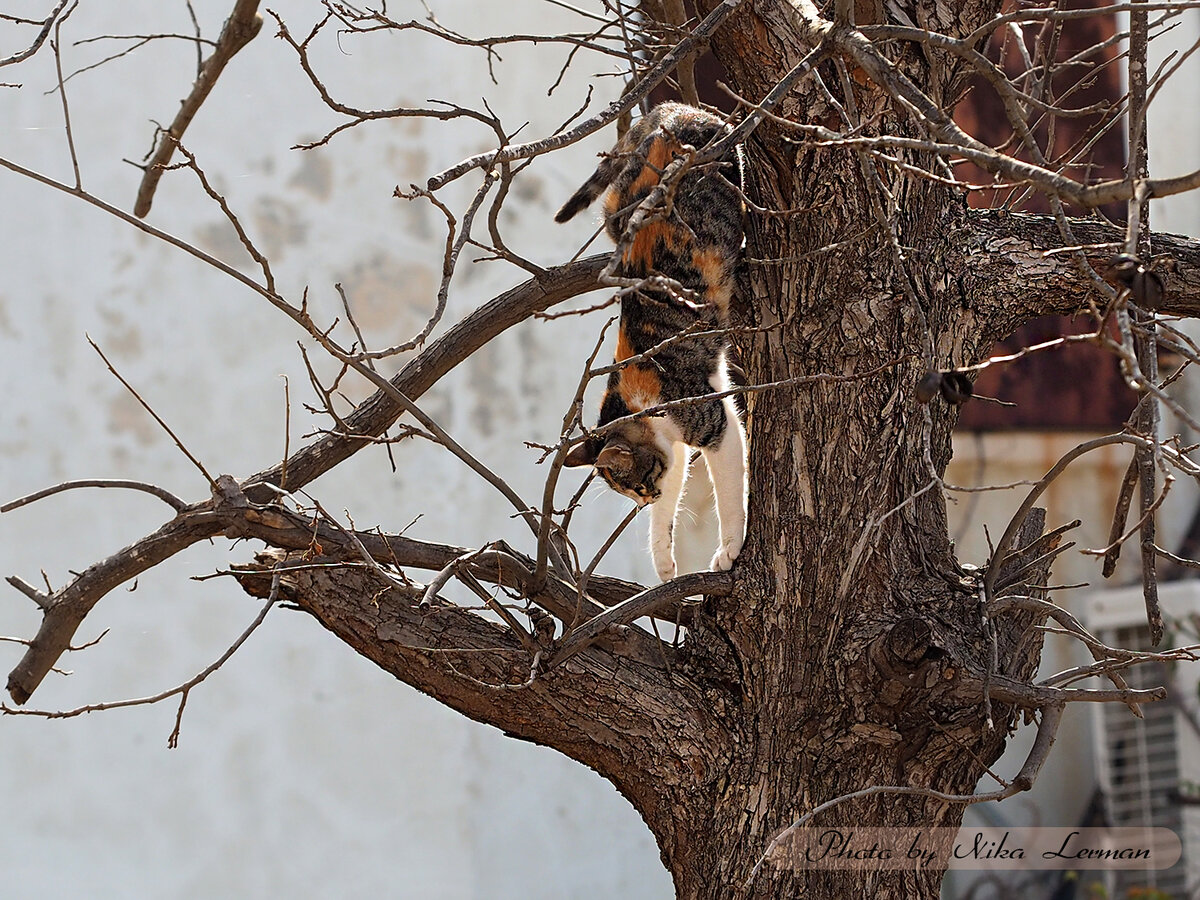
x=302 y=770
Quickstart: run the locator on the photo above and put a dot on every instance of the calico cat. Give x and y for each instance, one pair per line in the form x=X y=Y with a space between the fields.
x=697 y=244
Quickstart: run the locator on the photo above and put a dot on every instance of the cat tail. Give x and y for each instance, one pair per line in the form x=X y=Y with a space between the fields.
x=589 y=190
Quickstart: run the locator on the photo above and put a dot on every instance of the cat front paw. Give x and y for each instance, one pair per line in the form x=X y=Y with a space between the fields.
x=722 y=561
x=665 y=568
x=662 y=551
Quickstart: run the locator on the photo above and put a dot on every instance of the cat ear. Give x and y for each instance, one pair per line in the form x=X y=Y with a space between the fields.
x=615 y=455
x=582 y=455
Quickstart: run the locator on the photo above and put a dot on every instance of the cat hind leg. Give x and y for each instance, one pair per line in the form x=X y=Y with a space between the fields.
x=726 y=463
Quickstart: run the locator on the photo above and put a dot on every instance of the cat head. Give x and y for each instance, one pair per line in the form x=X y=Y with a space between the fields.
x=632 y=464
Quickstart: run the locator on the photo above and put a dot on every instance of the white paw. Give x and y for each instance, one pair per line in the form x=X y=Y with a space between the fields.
x=665 y=568
x=662 y=551
x=722 y=561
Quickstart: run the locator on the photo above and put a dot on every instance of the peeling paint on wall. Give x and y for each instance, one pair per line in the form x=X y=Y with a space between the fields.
x=218 y=239
x=409 y=162
x=125 y=416
x=391 y=300
x=490 y=393
x=121 y=337
x=389 y=296
x=314 y=175
x=6 y=324
x=278 y=225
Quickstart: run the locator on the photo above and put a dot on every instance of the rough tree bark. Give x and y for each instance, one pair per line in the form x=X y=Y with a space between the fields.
x=850 y=650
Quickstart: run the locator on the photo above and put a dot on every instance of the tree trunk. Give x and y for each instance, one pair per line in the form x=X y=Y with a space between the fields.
x=848 y=604
x=852 y=651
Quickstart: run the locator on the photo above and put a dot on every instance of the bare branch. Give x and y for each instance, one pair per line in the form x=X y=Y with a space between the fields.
x=376 y=414
x=240 y=28
x=647 y=603
x=1145 y=349
x=41 y=599
x=62 y=95
x=446 y=111
x=72 y=603
x=1018 y=518
x=702 y=32
x=181 y=690
x=952 y=140
x=46 y=24
x=161 y=493
x=157 y=418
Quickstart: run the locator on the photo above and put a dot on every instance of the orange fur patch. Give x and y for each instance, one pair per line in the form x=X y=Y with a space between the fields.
x=624 y=348
x=612 y=203
x=657 y=157
x=711 y=266
x=639 y=387
x=640 y=253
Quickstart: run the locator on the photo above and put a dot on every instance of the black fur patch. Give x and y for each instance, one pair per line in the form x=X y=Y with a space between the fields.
x=697 y=243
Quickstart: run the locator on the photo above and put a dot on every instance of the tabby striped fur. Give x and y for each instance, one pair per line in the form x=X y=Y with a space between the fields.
x=697 y=244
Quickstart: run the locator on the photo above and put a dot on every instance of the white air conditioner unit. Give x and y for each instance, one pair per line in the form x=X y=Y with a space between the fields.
x=1144 y=764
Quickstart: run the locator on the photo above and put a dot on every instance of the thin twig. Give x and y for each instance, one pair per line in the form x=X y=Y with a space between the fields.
x=182 y=689
x=157 y=418
x=626 y=102
x=161 y=493
x=62 y=95
x=46 y=23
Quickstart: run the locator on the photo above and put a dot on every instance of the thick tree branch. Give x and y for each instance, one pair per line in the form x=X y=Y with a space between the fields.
x=67 y=608
x=232 y=515
x=1016 y=269
x=376 y=414
x=614 y=714
x=497 y=564
x=645 y=603
x=43 y=33
x=240 y=28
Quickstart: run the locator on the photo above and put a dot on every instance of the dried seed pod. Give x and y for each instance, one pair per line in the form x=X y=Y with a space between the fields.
x=956 y=387
x=1144 y=284
x=928 y=386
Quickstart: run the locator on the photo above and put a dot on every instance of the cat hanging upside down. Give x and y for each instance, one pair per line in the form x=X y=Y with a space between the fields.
x=696 y=244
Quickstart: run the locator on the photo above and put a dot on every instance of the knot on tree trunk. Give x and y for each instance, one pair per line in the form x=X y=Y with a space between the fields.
x=907 y=655
x=908 y=641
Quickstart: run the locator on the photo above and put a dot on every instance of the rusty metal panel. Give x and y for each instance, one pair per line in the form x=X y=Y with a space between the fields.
x=1079 y=387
